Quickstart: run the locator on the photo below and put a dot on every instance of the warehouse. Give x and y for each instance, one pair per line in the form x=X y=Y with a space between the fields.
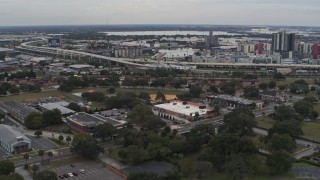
x=83 y=122
x=13 y=141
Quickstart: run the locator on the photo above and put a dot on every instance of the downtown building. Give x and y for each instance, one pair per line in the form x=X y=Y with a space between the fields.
x=283 y=43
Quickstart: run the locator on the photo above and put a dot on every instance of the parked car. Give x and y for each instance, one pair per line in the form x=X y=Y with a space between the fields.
x=70 y=174
x=75 y=174
x=82 y=171
x=65 y=175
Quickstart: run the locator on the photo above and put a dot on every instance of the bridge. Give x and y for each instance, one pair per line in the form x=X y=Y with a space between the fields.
x=149 y=63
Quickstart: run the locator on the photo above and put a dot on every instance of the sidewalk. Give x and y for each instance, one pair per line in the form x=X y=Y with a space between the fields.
x=111 y=162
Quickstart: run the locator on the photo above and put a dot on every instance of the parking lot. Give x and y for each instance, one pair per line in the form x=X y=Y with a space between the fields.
x=41 y=143
x=93 y=171
x=306 y=172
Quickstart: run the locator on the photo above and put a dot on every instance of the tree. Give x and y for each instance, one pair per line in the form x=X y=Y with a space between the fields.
x=14 y=90
x=195 y=91
x=38 y=133
x=34 y=121
x=140 y=114
x=3 y=92
x=202 y=168
x=272 y=84
x=142 y=176
x=74 y=106
x=35 y=168
x=85 y=145
x=111 y=90
x=237 y=167
x=144 y=95
x=291 y=127
x=304 y=108
x=26 y=157
x=6 y=167
x=263 y=86
x=251 y=93
x=46 y=175
x=60 y=138
x=133 y=154
x=52 y=117
x=105 y=130
x=282 y=142
x=160 y=96
x=214 y=89
x=284 y=113
x=201 y=134
x=68 y=139
x=50 y=154
x=226 y=145
x=12 y=176
x=278 y=76
x=41 y=154
x=239 y=122
x=185 y=96
x=282 y=87
x=279 y=162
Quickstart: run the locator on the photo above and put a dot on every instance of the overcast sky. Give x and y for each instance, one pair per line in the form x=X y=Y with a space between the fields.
x=238 y=12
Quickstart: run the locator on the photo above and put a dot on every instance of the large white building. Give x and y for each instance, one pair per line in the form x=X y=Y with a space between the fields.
x=181 y=111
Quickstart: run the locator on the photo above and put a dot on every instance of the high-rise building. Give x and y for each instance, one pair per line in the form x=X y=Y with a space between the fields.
x=283 y=42
x=315 y=51
x=212 y=41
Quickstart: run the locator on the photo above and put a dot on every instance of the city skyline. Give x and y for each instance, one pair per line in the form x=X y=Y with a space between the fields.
x=233 y=12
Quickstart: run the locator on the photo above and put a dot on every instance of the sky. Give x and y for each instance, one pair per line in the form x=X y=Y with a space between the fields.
x=222 y=12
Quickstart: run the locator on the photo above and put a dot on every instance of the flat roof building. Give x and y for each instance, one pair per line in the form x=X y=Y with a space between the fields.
x=179 y=110
x=52 y=106
x=13 y=141
x=17 y=110
x=83 y=122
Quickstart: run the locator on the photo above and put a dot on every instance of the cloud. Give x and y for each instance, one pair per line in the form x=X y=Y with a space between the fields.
x=253 y=12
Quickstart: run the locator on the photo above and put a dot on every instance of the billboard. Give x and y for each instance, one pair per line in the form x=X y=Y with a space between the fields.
x=54 y=42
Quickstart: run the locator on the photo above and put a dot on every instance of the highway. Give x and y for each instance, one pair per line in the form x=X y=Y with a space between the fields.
x=149 y=63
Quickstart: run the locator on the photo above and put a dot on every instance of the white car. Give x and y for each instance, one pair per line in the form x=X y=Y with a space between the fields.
x=70 y=174
x=82 y=171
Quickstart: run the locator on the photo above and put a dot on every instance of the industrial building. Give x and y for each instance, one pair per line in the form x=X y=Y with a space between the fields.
x=234 y=102
x=83 y=122
x=13 y=141
x=53 y=105
x=17 y=110
x=182 y=111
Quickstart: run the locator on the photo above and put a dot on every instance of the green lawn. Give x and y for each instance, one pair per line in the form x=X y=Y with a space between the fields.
x=264 y=122
x=311 y=130
x=27 y=97
x=287 y=82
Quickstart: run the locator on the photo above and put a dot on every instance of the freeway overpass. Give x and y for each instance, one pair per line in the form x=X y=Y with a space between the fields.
x=143 y=63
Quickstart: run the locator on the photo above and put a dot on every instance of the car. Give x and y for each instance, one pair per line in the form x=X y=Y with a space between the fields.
x=72 y=165
x=61 y=177
x=82 y=171
x=70 y=174
x=75 y=174
x=65 y=175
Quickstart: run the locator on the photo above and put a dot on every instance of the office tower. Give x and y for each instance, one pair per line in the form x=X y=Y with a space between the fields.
x=283 y=42
x=315 y=51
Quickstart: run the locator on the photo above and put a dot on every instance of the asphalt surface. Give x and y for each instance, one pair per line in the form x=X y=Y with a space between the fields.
x=93 y=171
x=41 y=143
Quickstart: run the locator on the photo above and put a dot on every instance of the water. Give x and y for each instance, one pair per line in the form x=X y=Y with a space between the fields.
x=167 y=33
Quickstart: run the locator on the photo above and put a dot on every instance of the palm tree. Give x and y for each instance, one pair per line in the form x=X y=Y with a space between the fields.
x=26 y=157
x=68 y=139
x=41 y=154
x=50 y=154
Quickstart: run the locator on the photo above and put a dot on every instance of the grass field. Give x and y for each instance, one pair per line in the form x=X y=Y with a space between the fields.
x=287 y=82
x=311 y=130
x=27 y=97
x=264 y=122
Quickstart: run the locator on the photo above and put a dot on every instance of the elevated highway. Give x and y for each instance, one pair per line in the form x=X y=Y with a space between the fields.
x=143 y=63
